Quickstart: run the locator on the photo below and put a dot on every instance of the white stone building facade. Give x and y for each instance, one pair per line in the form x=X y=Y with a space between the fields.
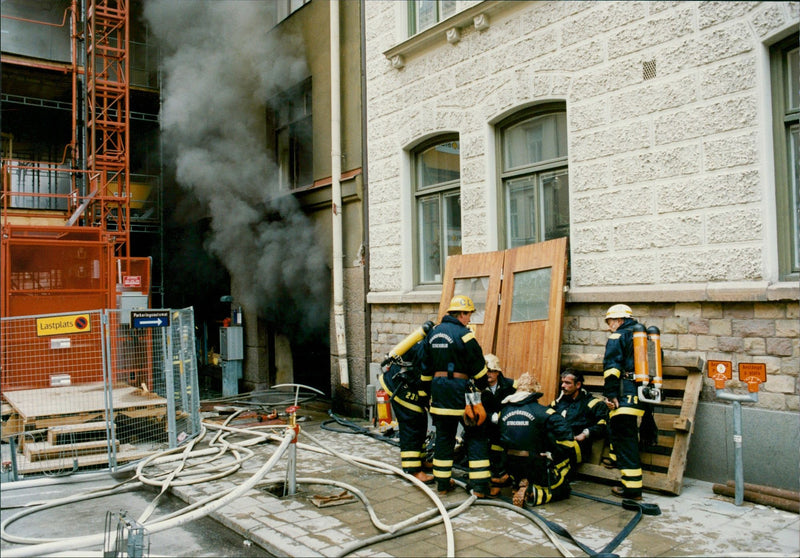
x=676 y=201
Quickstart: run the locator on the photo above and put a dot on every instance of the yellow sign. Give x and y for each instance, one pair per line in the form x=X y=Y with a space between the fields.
x=58 y=325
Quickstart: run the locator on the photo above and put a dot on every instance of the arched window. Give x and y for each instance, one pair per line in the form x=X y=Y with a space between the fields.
x=534 y=174
x=437 y=192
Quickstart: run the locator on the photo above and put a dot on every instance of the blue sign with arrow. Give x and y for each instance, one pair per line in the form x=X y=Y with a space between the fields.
x=149 y=318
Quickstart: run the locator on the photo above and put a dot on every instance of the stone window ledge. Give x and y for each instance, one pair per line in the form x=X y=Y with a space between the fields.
x=446 y=31
x=758 y=291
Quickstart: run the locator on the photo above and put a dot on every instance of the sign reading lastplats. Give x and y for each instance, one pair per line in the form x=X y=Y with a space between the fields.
x=59 y=325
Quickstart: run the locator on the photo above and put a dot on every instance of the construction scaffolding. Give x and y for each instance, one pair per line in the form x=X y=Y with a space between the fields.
x=66 y=224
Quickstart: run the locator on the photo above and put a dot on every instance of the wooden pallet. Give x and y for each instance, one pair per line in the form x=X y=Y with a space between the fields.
x=42 y=451
x=76 y=430
x=664 y=464
x=125 y=453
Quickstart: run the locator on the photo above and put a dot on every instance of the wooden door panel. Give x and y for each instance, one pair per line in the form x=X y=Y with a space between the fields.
x=532 y=312
x=477 y=276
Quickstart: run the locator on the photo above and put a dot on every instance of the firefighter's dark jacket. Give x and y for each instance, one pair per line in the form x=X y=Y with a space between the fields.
x=402 y=380
x=618 y=371
x=618 y=359
x=584 y=412
x=492 y=402
x=452 y=347
x=527 y=425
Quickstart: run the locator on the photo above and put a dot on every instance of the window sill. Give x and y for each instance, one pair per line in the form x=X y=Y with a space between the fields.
x=758 y=291
x=754 y=291
x=405 y=297
x=447 y=31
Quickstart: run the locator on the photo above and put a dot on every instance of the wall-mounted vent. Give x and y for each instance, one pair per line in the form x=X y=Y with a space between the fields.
x=648 y=69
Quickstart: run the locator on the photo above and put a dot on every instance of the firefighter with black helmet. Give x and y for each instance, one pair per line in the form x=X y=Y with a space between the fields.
x=621 y=394
x=454 y=360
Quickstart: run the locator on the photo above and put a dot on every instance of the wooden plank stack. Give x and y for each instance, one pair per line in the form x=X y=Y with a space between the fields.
x=663 y=464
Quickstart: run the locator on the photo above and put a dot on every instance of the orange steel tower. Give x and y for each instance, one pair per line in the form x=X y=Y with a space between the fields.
x=73 y=252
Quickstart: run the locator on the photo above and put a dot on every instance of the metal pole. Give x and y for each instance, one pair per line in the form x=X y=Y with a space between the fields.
x=737 y=453
x=291 y=470
x=738 y=462
x=169 y=377
x=108 y=388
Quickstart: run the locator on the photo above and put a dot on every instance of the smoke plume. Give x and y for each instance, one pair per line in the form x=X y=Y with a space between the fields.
x=220 y=66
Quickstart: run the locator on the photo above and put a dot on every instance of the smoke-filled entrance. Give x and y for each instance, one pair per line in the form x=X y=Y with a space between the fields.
x=221 y=71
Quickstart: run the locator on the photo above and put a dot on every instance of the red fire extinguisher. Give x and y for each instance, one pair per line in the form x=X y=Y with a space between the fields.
x=384 y=407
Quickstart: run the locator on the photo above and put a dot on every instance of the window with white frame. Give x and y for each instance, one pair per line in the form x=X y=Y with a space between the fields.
x=437 y=191
x=427 y=13
x=285 y=8
x=292 y=134
x=785 y=70
x=534 y=176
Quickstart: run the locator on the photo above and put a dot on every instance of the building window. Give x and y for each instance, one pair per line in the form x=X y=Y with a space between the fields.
x=291 y=122
x=785 y=69
x=427 y=13
x=285 y=8
x=535 y=177
x=437 y=189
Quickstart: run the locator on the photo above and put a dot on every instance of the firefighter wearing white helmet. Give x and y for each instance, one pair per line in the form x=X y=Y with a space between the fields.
x=621 y=393
x=457 y=372
x=619 y=311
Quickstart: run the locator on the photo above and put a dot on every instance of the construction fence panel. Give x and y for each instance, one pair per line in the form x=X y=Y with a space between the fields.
x=94 y=389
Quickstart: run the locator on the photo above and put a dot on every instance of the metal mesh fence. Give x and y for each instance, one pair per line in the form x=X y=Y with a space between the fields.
x=96 y=389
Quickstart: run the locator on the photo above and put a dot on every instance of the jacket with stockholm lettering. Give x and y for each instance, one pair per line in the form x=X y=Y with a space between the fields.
x=526 y=424
x=452 y=347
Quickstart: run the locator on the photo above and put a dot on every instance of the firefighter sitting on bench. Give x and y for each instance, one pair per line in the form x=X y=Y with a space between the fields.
x=586 y=414
x=539 y=446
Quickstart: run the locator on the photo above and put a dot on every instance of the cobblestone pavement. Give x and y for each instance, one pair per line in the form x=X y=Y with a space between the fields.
x=696 y=523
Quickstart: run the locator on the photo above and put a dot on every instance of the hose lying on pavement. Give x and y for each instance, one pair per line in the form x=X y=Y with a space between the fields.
x=205 y=470
x=156 y=526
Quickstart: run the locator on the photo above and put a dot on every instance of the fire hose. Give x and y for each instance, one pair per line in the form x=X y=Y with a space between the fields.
x=161 y=525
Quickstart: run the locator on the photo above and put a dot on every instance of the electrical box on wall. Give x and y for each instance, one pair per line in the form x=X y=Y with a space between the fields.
x=131 y=301
x=231 y=340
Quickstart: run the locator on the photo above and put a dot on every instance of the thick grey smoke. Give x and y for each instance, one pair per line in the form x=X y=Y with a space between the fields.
x=220 y=67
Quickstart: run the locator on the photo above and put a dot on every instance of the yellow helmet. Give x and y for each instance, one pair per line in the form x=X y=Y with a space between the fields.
x=461 y=303
x=619 y=311
x=492 y=362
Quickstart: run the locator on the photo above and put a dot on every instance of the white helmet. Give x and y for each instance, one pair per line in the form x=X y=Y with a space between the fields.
x=619 y=311
x=492 y=362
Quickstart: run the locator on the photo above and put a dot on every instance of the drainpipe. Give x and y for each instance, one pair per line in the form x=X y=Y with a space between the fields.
x=336 y=198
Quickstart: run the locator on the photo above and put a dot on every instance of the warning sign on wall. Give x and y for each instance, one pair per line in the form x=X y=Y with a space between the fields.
x=58 y=325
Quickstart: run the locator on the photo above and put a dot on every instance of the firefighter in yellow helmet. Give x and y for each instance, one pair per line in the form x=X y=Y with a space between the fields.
x=457 y=369
x=620 y=391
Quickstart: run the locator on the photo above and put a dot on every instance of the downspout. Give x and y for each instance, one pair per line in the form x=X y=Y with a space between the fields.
x=336 y=198
x=365 y=192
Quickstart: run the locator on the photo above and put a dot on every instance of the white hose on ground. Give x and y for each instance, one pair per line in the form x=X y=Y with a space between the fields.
x=355 y=545
x=448 y=525
x=98 y=538
x=221 y=447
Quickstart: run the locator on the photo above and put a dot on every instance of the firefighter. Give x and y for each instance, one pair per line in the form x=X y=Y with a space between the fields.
x=539 y=446
x=401 y=380
x=621 y=394
x=457 y=372
x=586 y=414
x=499 y=387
